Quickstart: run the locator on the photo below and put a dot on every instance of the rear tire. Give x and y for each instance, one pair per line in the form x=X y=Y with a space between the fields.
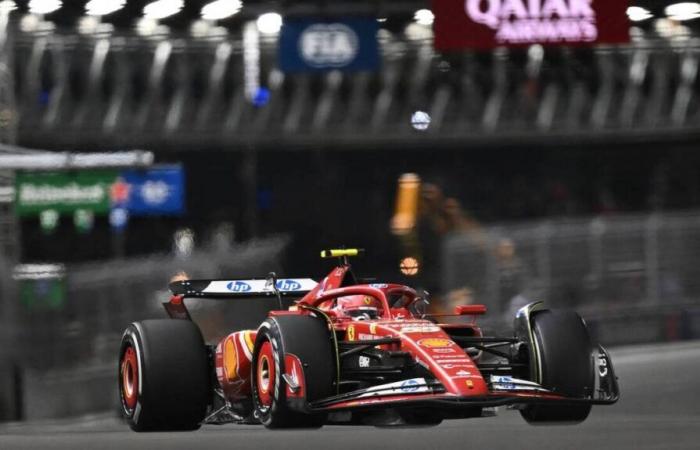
x=163 y=376
x=308 y=339
x=565 y=348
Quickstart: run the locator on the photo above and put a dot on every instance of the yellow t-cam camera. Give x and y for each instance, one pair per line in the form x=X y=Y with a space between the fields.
x=341 y=252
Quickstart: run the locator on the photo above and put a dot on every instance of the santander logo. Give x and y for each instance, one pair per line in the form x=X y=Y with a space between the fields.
x=528 y=21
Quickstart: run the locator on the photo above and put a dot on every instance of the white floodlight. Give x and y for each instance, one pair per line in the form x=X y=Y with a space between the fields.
x=221 y=9
x=638 y=14
x=161 y=9
x=424 y=17
x=103 y=7
x=44 y=6
x=269 y=23
x=7 y=6
x=683 y=11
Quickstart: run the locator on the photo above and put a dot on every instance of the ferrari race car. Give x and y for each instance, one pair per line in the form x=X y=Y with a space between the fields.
x=348 y=352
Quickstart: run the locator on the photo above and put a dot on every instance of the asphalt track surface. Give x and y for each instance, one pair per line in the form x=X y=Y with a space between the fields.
x=659 y=409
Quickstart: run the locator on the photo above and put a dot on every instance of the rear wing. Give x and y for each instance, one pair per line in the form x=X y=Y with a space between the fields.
x=243 y=288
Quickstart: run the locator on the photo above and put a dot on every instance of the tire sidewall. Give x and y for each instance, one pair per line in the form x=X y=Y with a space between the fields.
x=131 y=338
x=269 y=331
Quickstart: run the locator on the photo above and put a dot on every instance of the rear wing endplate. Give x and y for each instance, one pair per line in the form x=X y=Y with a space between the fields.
x=242 y=288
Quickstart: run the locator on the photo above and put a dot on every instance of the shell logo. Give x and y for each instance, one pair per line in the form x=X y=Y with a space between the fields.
x=435 y=343
x=230 y=359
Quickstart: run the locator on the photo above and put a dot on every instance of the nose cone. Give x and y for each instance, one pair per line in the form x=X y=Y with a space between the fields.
x=447 y=361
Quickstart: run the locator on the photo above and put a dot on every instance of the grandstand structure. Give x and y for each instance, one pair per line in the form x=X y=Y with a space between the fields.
x=170 y=88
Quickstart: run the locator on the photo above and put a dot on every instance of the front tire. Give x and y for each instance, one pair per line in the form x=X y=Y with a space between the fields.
x=565 y=348
x=163 y=376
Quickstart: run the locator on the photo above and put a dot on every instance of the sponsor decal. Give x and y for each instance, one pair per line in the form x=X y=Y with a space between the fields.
x=238 y=286
x=454 y=366
x=451 y=358
x=518 y=21
x=258 y=286
x=409 y=386
x=378 y=285
x=435 y=343
x=351 y=333
x=413 y=386
x=288 y=285
x=444 y=350
x=373 y=328
x=365 y=337
x=490 y=23
x=463 y=373
x=602 y=366
x=230 y=359
x=508 y=383
x=420 y=329
x=470 y=384
x=363 y=361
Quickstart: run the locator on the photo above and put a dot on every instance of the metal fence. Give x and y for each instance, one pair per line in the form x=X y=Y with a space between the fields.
x=102 y=299
x=181 y=91
x=601 y=266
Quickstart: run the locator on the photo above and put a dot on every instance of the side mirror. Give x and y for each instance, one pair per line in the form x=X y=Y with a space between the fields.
x=470 y=310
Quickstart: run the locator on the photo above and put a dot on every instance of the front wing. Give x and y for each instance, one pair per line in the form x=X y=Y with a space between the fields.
x=422 y=393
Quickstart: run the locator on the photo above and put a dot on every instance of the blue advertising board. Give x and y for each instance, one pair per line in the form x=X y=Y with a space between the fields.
x=154 y=191
x=348 y=44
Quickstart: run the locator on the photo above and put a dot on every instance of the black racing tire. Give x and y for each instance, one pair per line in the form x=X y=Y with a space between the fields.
x=163 y=376
x=309 y=339
x=565 y=348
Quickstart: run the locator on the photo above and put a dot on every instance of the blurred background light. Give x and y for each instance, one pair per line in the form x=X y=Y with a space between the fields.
x=162 y=8
x=221 y=9
x=683 y=11
x=409 y=266
x=420 y=120
x=269 y=23
x=150 y=27
x=7 y=6
x=424 y=17
x=638 y=14
x=44 y=6
x=103 y=7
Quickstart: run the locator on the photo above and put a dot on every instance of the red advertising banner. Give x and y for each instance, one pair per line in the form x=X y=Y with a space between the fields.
x=484 y=24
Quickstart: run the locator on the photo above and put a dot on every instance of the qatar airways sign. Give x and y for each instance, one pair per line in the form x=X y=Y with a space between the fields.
x=490 y=23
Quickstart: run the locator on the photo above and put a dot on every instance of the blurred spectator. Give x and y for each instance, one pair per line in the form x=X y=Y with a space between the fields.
x=513 y=278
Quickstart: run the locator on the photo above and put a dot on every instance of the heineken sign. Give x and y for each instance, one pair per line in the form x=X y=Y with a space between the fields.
x=64 y=192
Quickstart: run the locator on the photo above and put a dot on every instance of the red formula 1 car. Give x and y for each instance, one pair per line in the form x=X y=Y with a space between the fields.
x=348 y=352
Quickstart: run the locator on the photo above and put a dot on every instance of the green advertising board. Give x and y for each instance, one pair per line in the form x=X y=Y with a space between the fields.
x=64 y=192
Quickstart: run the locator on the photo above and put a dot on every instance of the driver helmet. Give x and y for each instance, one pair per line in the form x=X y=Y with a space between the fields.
x=359 y=307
